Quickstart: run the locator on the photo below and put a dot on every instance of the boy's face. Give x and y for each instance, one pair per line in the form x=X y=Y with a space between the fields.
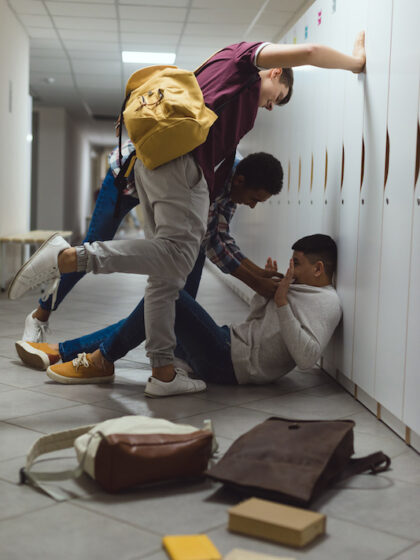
x=305 y=272
x=240 y=194
x=272 y=90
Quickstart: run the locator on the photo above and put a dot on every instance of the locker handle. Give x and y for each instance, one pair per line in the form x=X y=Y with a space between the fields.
x=326 y=170
x=362 y=171
x=288 y=177
x=386 y=159
x=342 y=168
x=416 y=174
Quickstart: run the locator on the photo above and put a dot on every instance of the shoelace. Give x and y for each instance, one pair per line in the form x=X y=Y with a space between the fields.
x=81 y=360
x=51 y=289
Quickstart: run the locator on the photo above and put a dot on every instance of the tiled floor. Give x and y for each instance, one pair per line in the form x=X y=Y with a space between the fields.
x=373 y=518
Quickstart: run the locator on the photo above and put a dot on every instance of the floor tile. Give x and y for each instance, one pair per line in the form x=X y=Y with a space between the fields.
x=4 y=388
x=65 y=531
x=305 y=406
x=16 y=374
x=406 y=467
x=180 y=406
x=412 y=553
x=230 y=422
x=21 y=402
x=377 y=502
x=19 y=499
x=65 y=419
x=88 y=393
x=390 y=444
x=15 y=441
x=164 y=509
x=241 y=394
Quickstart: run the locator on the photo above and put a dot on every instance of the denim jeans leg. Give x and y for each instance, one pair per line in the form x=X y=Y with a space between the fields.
x=191 y=287
x=206 y=346
x=88 y=343
x=103 y=227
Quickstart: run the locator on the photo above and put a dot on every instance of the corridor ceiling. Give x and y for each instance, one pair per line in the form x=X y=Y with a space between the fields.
x=75 y=46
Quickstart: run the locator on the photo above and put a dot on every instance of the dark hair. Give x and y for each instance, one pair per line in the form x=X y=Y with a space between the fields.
x=319 y=247
x=287 y=78
x=261 y=171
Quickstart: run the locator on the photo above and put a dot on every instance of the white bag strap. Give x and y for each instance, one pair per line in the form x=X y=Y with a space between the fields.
x=48 y=444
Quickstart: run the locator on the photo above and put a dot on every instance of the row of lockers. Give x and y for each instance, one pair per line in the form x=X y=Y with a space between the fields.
x=349 y=145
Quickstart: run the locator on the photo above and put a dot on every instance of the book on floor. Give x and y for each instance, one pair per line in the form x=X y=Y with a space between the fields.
x=190 y=547
x=276 y=522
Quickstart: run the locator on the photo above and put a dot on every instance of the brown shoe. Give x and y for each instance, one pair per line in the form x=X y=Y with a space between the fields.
x=38 y=355
x=80 y=370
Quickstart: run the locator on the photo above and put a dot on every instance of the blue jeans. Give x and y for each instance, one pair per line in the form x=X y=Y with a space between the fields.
x=205 y=345
x=103 y=227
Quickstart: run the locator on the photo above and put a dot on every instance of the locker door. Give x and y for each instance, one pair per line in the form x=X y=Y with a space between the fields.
x=302 y=126
x=354 y=15
x=336 y=21
x=378 y=38
x=398 y=205
x=317 y=92
x=411 y=411
x=335 y=27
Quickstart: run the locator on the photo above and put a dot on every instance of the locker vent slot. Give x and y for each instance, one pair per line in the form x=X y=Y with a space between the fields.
x=416 y=175
x=312 y=170
x=362 y=171
x=386 y=159
x=326 y=170
x=342 y=168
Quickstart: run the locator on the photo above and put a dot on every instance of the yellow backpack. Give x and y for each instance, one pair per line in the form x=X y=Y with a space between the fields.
x=165 y=114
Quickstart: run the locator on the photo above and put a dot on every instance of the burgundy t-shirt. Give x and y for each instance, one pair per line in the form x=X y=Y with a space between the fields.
x=223 y=75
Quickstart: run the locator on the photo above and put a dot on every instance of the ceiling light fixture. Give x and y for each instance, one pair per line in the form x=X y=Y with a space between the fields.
x=148 y=57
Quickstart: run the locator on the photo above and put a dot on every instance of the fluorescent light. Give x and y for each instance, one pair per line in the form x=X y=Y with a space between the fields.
x=148 y=57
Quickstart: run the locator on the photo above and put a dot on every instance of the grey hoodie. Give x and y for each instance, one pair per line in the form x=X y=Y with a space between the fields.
x=273 y=340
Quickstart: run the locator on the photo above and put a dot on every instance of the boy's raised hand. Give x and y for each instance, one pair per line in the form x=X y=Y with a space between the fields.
x=271 y=265
x=359 y=51
x=280 y=297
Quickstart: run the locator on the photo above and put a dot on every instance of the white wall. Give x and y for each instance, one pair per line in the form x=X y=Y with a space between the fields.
x=51 y=139
x=15 y=126
x=64 y=168
x=372 y=209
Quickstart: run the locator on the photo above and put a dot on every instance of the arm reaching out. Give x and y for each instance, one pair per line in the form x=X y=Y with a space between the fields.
x=288 y=56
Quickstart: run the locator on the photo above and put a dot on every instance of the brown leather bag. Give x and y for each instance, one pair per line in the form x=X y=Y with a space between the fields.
x=293 y=461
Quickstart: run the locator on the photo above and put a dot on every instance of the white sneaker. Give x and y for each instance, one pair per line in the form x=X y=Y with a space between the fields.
x=35 y=330
x=41 y=267
x=180 y=385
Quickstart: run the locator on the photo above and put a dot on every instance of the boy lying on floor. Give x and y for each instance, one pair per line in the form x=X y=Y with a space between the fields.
x=291 y=329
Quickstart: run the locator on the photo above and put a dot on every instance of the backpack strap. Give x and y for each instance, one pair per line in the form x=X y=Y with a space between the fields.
x=375 y=462
x=120 y=180
x=48 y=444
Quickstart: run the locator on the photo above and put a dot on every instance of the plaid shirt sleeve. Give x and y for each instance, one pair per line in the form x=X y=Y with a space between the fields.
x=220 y=246
x=126 y=149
